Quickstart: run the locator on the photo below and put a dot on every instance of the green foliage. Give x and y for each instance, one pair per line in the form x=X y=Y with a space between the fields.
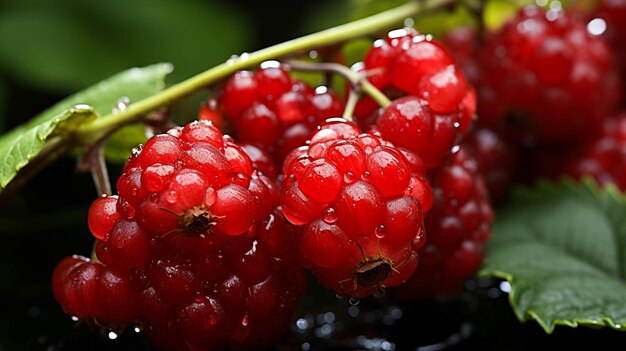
x=23 y=144
x=562 y=247
x=66 y=45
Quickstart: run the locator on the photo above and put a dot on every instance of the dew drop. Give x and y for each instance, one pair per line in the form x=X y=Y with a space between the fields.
x=244 y=321
x=330 y=215
x=112 y=335
x=380 y=231
x=353 y=301
x=171 y=196
x=596 y=26
x=232 y=60
x=505 y=287
x=210 y=197
x=349 y=178
x=366 y=175
x=302 y=324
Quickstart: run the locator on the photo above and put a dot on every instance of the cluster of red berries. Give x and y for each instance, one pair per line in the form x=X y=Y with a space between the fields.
x=558 y=112
x=193 y=249
x=206 y=243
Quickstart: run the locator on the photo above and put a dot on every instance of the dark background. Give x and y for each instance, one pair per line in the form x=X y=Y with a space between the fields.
x=46 y=220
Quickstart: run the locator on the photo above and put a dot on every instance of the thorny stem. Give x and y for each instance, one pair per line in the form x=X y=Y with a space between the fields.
x=91 y=133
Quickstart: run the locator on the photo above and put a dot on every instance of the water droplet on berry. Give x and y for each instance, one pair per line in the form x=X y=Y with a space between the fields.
x=220 y=254
x=241 y=179
x=171 y=196
x=244 y=321
x=380 y=231
x=112 y=335
x=354 y=301
x=366 y=175
x=138 y=329
x=349 y=178
x=455 y=149
x=210 y=197
x=330 y=215
x=313 y=54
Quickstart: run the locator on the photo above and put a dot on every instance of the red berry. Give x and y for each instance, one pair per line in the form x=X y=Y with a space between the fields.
x=102 y=216
x=410 y=123
x=194 y=249
x=335 y=189
x=275 y=111
x=458 y=226
x=561 y=80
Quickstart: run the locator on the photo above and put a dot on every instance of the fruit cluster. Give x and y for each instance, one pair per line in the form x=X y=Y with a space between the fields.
x=206 y=244
x=194 y=249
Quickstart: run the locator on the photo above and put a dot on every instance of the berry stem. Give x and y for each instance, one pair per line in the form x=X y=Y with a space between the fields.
x=93 y=132
x=353 y=97
x=94 y=161
x=358 y=81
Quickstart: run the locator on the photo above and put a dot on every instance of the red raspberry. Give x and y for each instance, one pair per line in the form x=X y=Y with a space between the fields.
x=610 y=15
x=352 y=194
x=409 y=123
x=458 y=226
x=271 y=110
x=430 y=94
x=603 y=157
x=88 y=289
x=497 y=157
x=194 y=249
x=561 y=80
x=209 y=112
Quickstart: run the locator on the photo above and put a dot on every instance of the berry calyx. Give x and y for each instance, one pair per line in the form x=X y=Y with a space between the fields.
x=347 y=190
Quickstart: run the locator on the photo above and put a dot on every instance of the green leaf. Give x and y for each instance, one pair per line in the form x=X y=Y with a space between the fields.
x=562 y=247
x=25 y=143
x=118 y=147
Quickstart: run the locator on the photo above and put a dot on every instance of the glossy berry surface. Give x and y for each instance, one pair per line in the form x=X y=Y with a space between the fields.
x=193 y=250
x=272 y=110
x=360 y=203
x=433 y=103
x=561 y=78
x=602 y=157
x=457 y=227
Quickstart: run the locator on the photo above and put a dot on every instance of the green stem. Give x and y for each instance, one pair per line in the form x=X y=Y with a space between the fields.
x=353 y=97
x=99 y=129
